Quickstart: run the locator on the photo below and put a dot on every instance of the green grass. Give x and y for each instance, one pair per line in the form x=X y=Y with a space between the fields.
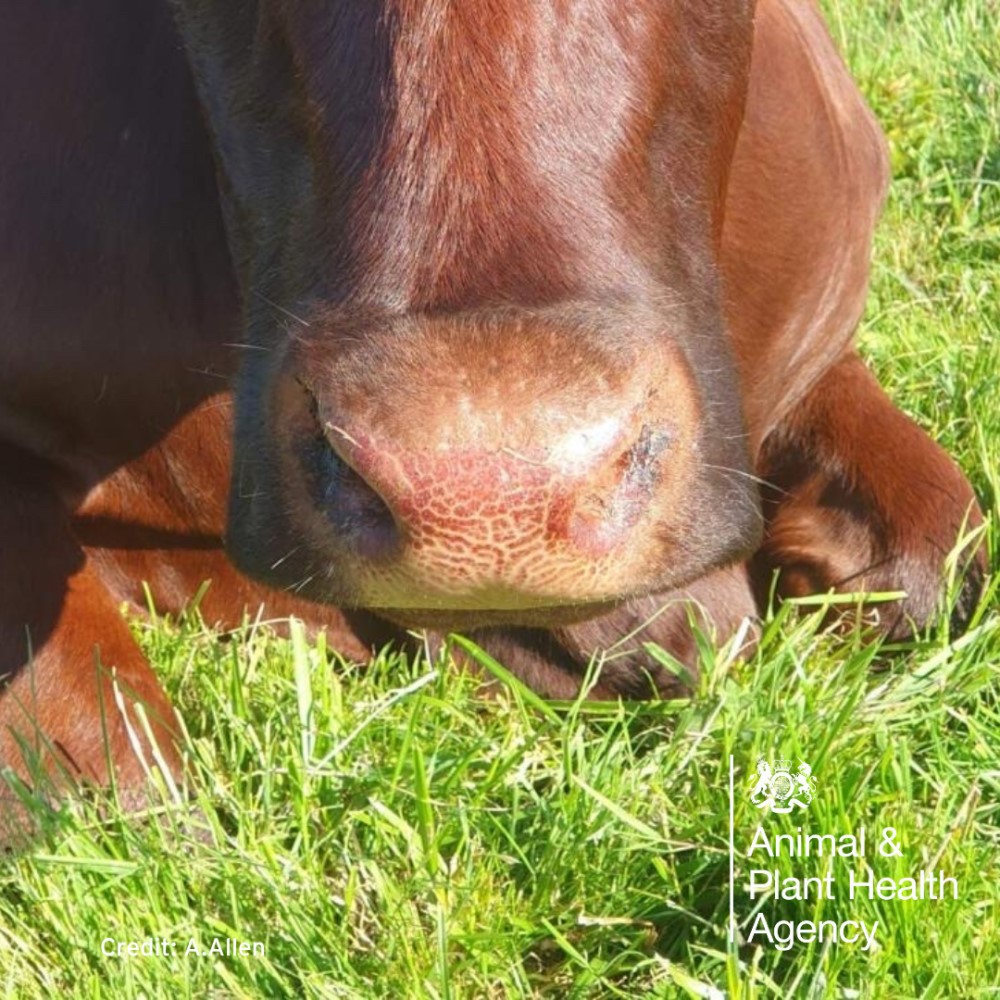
x=386 y=832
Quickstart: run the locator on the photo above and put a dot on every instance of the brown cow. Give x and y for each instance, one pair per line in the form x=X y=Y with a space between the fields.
x=533 y=297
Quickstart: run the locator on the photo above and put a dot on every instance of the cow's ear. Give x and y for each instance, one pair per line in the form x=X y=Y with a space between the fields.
x=806 y=185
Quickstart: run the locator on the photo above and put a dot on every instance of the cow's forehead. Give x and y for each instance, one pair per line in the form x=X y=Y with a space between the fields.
x=454 y=146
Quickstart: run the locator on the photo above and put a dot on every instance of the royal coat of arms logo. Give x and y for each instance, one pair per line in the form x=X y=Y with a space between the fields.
x=776 y=789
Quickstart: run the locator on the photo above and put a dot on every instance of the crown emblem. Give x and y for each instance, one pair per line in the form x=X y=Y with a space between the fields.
x=775 y=788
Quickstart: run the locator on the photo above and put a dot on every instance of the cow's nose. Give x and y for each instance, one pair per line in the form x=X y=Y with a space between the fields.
x=582 y=491
x=435 y=468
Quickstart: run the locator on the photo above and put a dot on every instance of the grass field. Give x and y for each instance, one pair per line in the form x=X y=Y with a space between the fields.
x=386 y=833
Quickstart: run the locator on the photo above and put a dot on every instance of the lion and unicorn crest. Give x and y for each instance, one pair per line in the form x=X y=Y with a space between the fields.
x=775 y=788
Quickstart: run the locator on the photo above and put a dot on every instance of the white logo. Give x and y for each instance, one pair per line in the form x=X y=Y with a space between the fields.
x=775 y=788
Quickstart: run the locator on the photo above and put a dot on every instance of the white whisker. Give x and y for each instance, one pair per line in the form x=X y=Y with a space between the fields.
x=281 y=309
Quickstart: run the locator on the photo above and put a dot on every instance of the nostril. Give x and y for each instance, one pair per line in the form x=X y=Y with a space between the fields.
x=359 y=516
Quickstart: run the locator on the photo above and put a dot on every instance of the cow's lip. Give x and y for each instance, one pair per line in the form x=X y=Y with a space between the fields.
x=546 y=616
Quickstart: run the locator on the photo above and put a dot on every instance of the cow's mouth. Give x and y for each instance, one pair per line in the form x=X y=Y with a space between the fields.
x=464 y=620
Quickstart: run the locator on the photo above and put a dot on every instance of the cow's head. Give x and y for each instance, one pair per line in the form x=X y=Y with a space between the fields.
x=487 y=377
